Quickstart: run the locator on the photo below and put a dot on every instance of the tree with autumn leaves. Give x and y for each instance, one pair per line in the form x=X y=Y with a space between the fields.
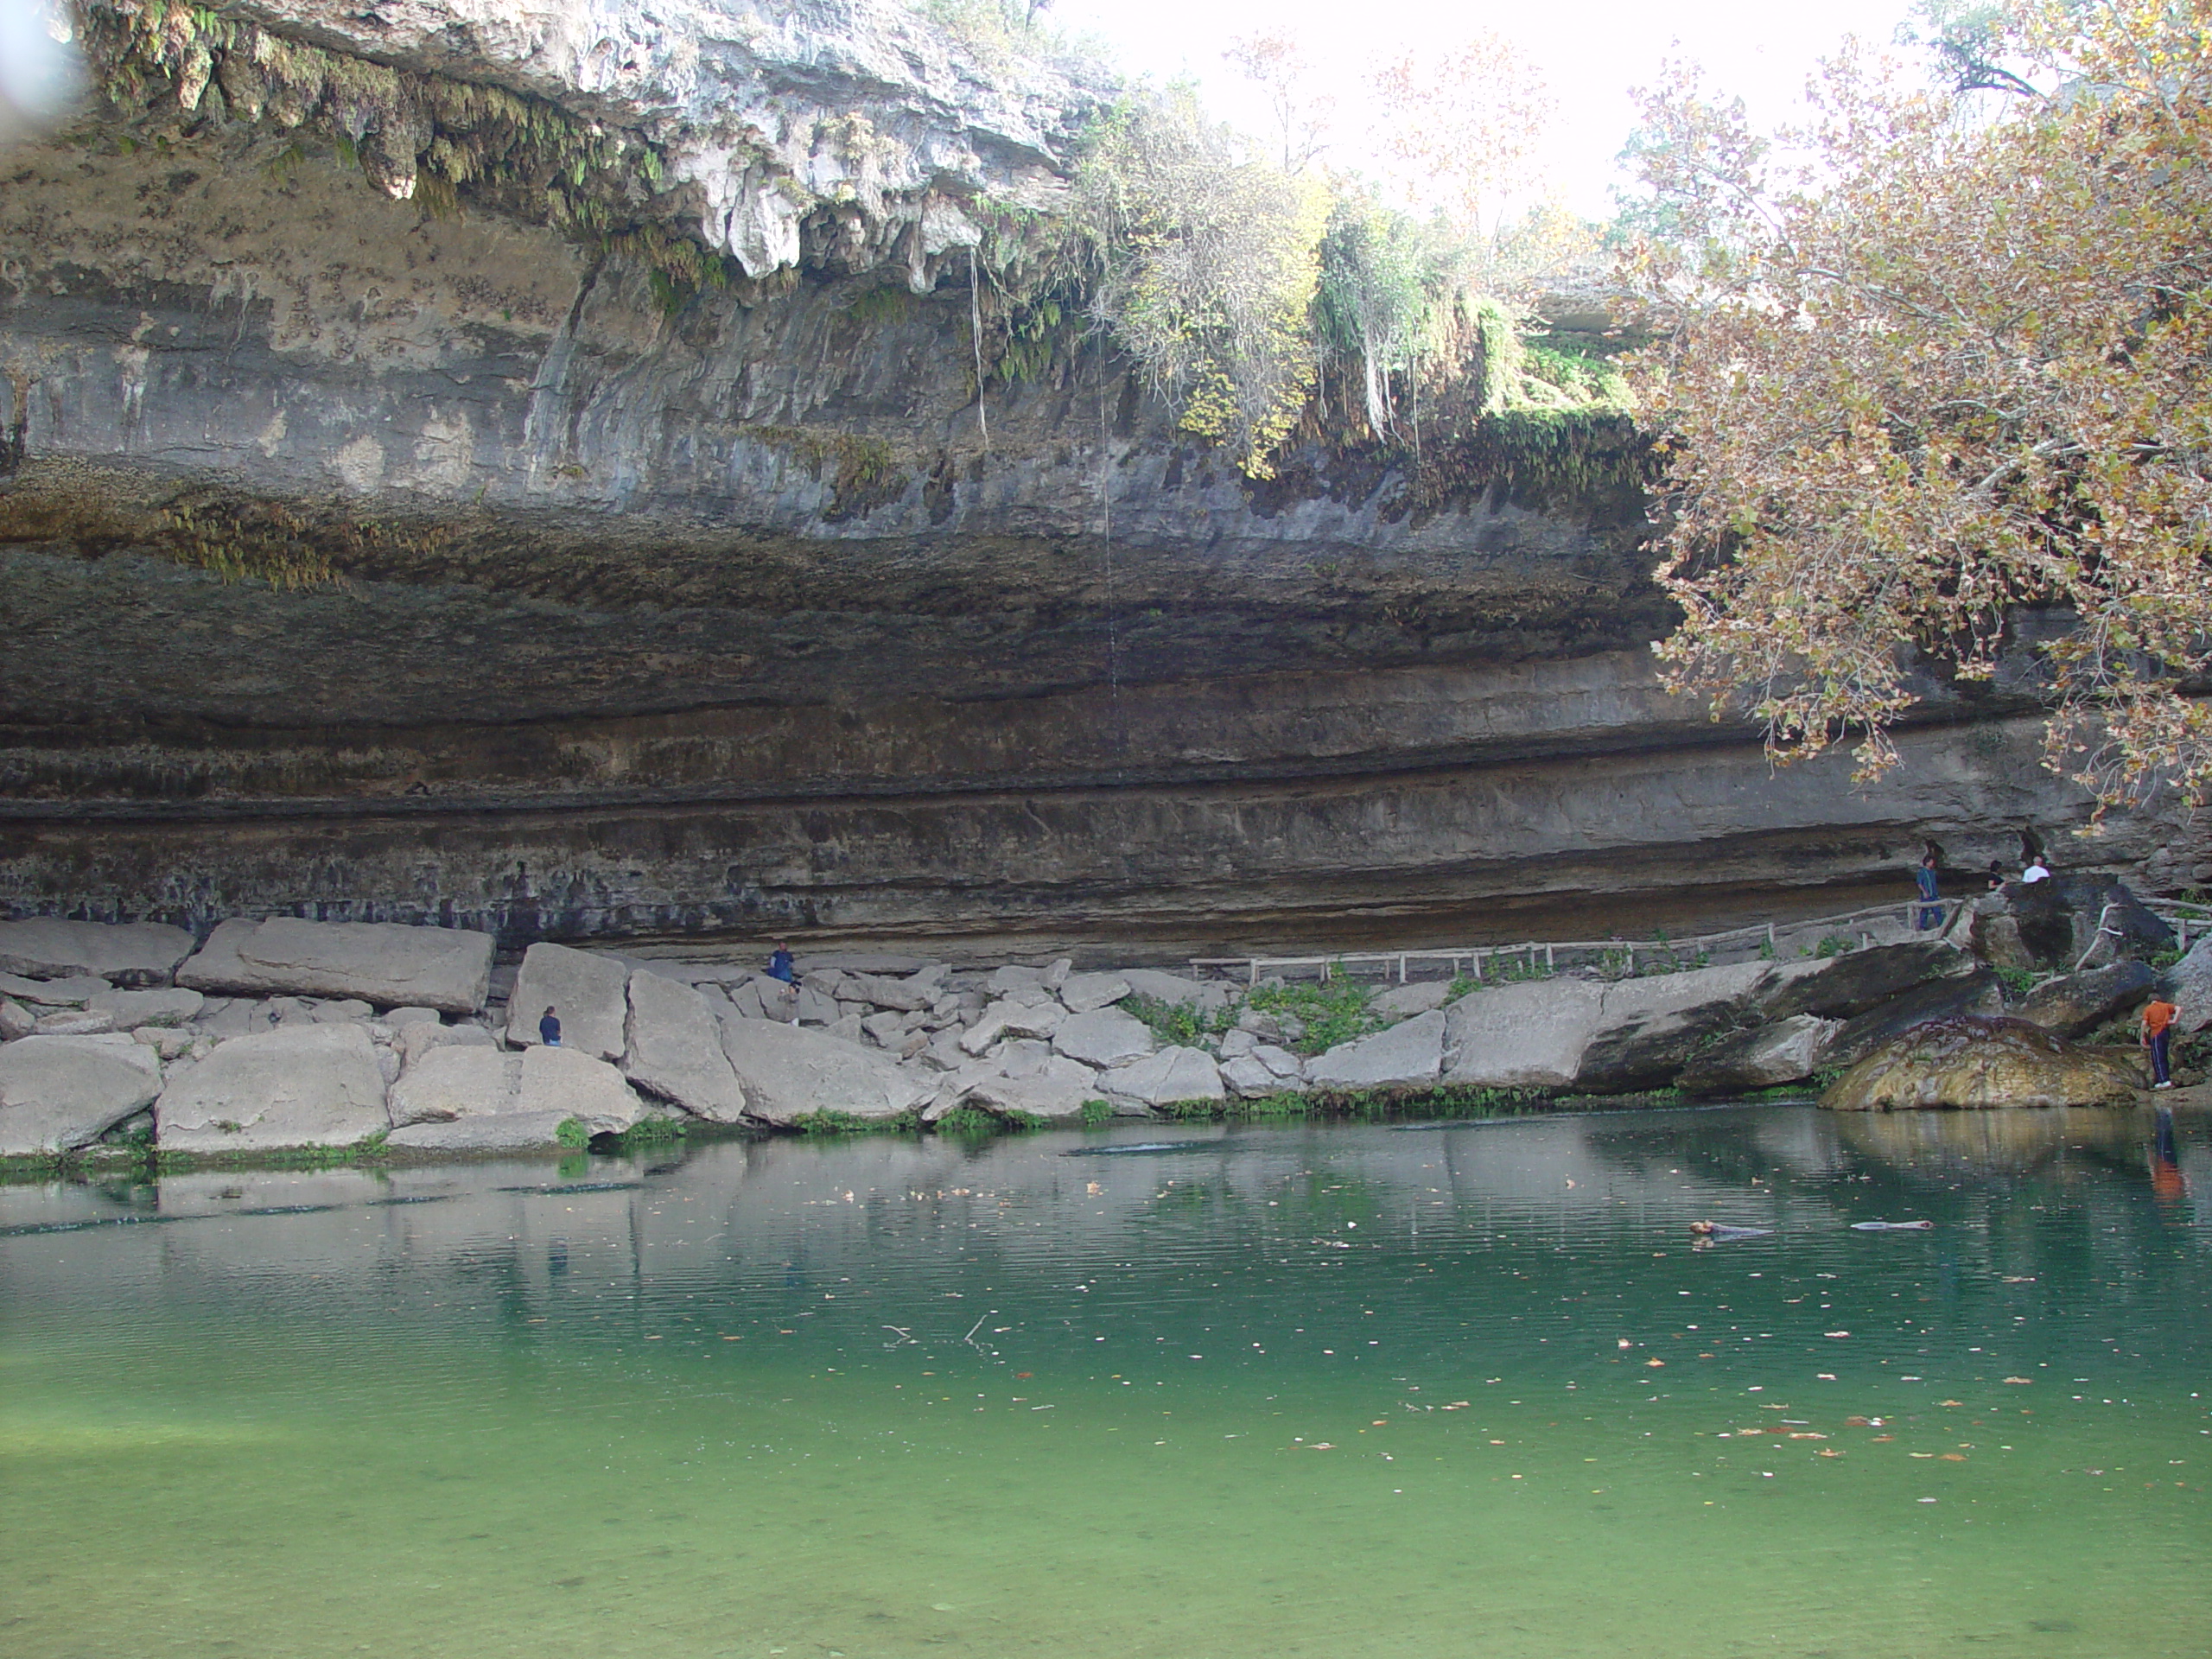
x=1936 y=377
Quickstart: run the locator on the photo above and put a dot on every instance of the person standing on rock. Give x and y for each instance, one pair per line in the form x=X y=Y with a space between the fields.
x=1931 y=912
x=2158 y=1017
x=781 y=969
x=548 y=1028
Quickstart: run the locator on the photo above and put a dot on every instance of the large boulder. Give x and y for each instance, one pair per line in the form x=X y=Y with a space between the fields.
x=1406 y=1056
x=451 y=1084
x=1056 y=1089
x=792 y=1072
x=2079 y=919
x=589 y=993
x=1648 y=1028
x=1172 y=1074
x=448 y=969
x=1525 y=1035
x=1788 y=1050
x=59 y=1093
x=15 y=1021
x=303 y=1085
x=1968 y=1062
x=1103 y=1037
x=1846 y=986
x=2075 y=1005
x=451 y=1081
x=675 y=1050
x=1978 y=993
x=2188 y=984
x=123 y=953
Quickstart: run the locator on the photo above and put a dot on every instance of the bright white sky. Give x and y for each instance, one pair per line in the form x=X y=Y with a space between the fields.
x=1591 y=52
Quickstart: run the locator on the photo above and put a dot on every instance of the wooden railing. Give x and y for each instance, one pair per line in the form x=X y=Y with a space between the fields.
x=1481 y=961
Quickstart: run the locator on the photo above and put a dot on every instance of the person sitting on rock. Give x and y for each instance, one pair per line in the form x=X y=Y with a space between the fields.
x=2158 y=1017
x=548 y=1028
x=1996 y=874
x=780 y=964
x=2037 y=871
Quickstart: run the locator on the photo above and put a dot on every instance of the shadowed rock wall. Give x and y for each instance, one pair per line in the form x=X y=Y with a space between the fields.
x=732 y=617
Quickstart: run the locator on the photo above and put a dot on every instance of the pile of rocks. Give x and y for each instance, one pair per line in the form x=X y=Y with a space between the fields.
x=286 y=1033
x=283 y=1033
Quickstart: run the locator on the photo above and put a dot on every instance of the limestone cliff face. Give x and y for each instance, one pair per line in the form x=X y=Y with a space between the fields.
x=732 y=614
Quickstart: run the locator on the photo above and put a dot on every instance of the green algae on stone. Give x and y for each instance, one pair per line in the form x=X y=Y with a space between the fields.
x=1970 y=1062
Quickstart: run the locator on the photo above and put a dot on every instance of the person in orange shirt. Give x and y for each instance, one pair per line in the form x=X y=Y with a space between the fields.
x=2158 y=1017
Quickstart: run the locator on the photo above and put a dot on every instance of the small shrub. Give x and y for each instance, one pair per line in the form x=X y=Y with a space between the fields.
x=2016 y=981
x=1334 y=1012
x=1834 y=944
x=573 y=1133
x=1178 y=1025
x=1098 y=1111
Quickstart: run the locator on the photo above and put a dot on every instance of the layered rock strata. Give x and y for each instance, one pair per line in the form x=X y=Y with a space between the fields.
x=572 y=609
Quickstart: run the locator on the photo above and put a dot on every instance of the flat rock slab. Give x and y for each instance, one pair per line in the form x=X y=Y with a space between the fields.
x=71 y=992
x=123 y=953
x=789 y=1072
x=1401 y=1001
x=1406 y=1056
x=301 y=1085
x=171 y=1006
x=383 y=963
x=59 y=1093
x=674 y=1049
x=1103 y=1037
x=1205 y=996
x=454 y=1082
x=1082 y=993
x=589 y=993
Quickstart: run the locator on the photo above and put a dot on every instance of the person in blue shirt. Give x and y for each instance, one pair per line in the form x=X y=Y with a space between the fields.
x=1931 y=913
x=548 y=1029
x=780 y=964
x=781 y=968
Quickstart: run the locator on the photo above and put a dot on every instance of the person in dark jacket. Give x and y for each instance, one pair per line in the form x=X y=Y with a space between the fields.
x=548 y=1028
x=1931 y=913
x=780 y=964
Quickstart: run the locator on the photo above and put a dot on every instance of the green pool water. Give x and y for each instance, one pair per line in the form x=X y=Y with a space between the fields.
x=1327 y=1390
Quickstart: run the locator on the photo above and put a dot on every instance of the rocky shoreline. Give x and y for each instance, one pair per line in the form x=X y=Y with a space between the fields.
x=288 y=1036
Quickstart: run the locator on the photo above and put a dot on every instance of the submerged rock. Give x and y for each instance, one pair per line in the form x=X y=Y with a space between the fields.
x=383 y=963
x=123 y=953
x=1968 y=1061
x=59 y=1093
x=302 y=1086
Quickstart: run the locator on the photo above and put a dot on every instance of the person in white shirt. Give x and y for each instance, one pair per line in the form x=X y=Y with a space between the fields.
x=2037 y=871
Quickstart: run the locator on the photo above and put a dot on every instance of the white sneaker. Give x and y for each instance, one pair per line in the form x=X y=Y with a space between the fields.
x=2161 y=1085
